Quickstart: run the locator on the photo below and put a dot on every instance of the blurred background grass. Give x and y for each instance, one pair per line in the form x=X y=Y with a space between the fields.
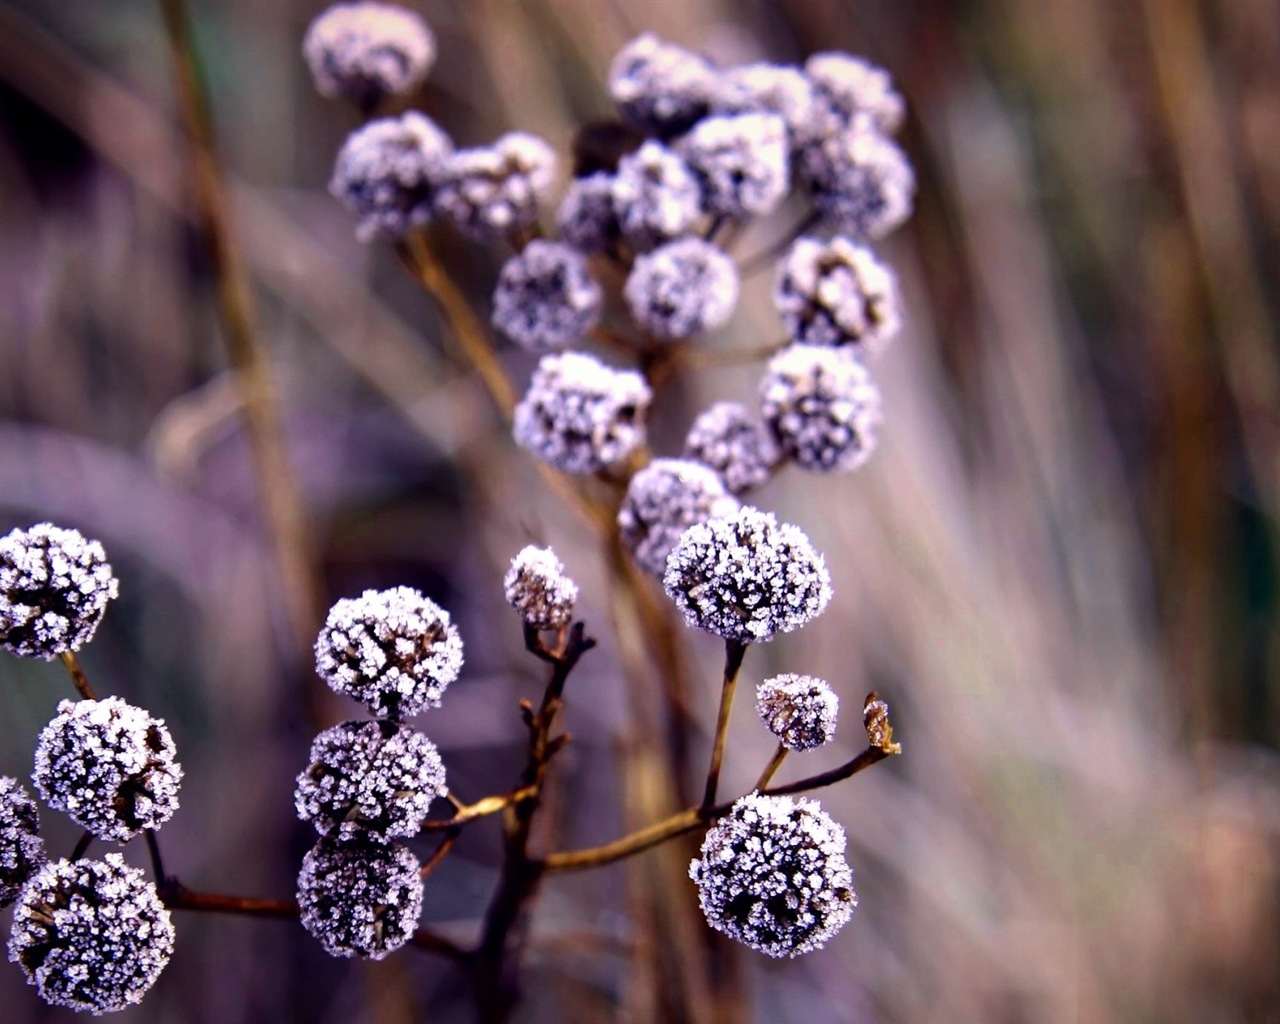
x=1060 y=568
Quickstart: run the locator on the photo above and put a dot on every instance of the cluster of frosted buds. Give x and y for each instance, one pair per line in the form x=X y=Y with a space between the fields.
x=491 y=191
x=367 y=51
x=662 y=501
x=538 y=588
x=659 y=87
x=110 y=766
x=91 y=935
x=773 y=875
x=656 y=196
x=682 y=288
x=800 y=710
x=727 y=439
x=742 y=162
x=21 y=848
x=545 y=298
x=54 y=589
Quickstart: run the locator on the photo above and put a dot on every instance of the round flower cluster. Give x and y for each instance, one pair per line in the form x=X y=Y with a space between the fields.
x=394 y=650
x=656 y=196
x=586 y=219
x=54 y=589
x=860 y=180
x=491 y=191
x=851 y=88
x=800 y=710
x=727 y=439
x=770 y=89
x=773 y=876
x=746 y=578
x=21 y=848
x=742 y=162
x=659 y=87
x=110 y=766
x=91 y=935
x=545 y=297
x=682 y=288
x=662 y=501
x=369 y=780
x=366 y=51
x=537 y=587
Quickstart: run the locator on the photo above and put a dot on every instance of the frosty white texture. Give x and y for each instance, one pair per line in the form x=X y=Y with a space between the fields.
x=492 y=191
x=656 y=196
x=770 y=89
x=545 y=298
x=537 y=587
x=586 y=219
x=662 y=501
x=682 y=288
x=742 y=162
x=660 y=87
x=800 y=710
x=851 y=87
x=366 y=51
x=727 y=438
x=859 y=179
x=21 y=848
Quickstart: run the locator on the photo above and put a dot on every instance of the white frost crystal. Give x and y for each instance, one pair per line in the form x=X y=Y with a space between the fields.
x=742 y=162
x=394 y=650
x=368 y=50
x=538 y=588
x=660 y=87
x=662 y=501
x=859 y=179
x=682 y=288
x=800 y=710
x=54 y=589
x=656 y=196
x=491 y=191
x=21 y=848
x=851 y=87
x=773 y=875
x=91 y=935
x=771 y=89
x=545 y=298
x=110 y=766
x=727 y=438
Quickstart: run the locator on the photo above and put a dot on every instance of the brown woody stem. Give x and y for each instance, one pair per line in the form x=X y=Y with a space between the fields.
x=734 y=652
x=774 y=764
x=78 y=677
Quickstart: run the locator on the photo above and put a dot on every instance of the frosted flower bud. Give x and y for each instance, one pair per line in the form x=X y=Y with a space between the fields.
x=770 y=89
x=800 y=710
x=682 y=288
x=727 y=438
x=586 y=219
x=54 y=589
x=773 y=875
x=492 y=191
x=537 y=587
x=656 y=196
x=742 y=162
x=660 y=87
x=851 y=87
x=837 y=293
x=579 y=415
x=662 y=501
x=395 y=651
x=365 y=51
x=545 y=297
x=746 y=578
x=387 y=173
x=21 y=848
x=860 y=180
x=91 y=935
x=822 y=407
x=360 y=899
x=370 y=780
x=110 y=766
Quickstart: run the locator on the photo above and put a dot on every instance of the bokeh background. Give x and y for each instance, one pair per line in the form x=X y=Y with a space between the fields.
x=1059 y=568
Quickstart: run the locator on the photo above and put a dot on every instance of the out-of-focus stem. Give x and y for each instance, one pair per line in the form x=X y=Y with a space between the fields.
x=734 y=652
x=78 y=678
x=771 y=768
x=482 y=808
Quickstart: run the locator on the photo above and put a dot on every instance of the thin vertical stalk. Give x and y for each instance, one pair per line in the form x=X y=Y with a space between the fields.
x=772 y=767
x=78 y=677
x=734 y=652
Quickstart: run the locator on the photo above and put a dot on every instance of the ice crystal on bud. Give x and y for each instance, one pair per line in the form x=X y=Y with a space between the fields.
x=579 y=415
x=545 y=298
x=660 y=87
x=742 y=162
x=851 y=87
x=662 y=501
x=746 y=578
x=682 y=288
x=369 y=780
x=368 y=50
x=492 y=191
x=110 y=766
x=537 y=587
x=54 y=589
x=394 y=650
x=387 y=173
x=859 y=179
x=656 y=196
x=727 y=438
x=800 y=710
x=770 y=89
x=21 y=848
x=837 y=293
x=91 y=935
x=586 y=219
x=358 y=898
x=773 y=875
x=822 y=407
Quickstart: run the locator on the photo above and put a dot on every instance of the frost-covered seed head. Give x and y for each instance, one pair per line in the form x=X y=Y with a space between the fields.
x=492 y=191
x=742 y=162
x=800 y=710
x=54 y=589
x=91 y=935
x=662 y=501
x=365 y=51
x=586 y=219
x=387 y=173
x=822 y=407
x=579 y=415
x=395 y=651
x=21 y=848
x=682 y=288
x=660 y=87
x=358 y=898
x=850 y=87
x=770 y=89
x=837 y=293
x=774 y=877
x=728 y=439
x=371 y=780
x=746 y=578
x=538 y=588
x=110 y=766
x=545 y=297
x=656 y=196
x=860 y=179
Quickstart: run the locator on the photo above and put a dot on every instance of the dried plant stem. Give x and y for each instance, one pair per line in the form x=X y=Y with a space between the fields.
x=82 y=846
x=734 y=652
x=772 y=767
x=78 y=678
x=482 y=808
x=441 y=851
